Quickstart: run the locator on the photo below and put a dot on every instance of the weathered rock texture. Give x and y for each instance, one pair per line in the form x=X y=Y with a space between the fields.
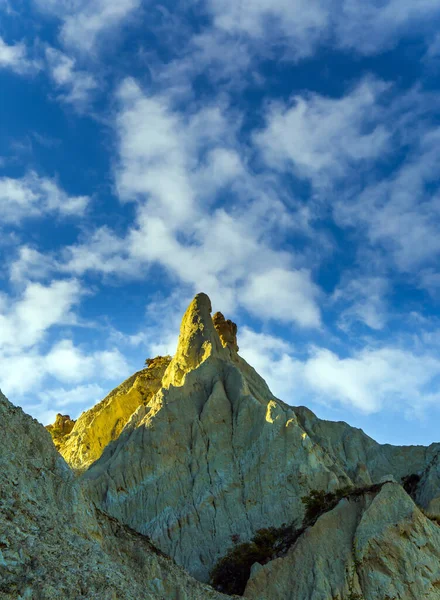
x=227 y=331
x=377 y=546
x=103 y=423
x=60 y=429
x=55 y=545
x=213 y=454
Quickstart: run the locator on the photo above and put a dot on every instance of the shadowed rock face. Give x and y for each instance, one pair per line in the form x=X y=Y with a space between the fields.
x=214 y=455
x=55 y=545
x=375 y=546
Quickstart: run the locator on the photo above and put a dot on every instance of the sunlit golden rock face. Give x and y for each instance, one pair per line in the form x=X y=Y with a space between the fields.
x=60 y=429
x=227 y=331
x=97 y=427
x=198 y=339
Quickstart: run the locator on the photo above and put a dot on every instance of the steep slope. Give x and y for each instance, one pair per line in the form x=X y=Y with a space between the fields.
x=103 y=423
x=376 y=546
x=214 y=455
x=54 y=544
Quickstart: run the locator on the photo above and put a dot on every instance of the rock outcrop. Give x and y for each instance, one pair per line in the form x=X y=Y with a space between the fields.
x=227 y=331
x=214 y=455
x=371 y=547
x=54 y=544
x=60 y=429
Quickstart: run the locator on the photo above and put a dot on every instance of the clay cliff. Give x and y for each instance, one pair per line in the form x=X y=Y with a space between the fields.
x=55 y=544
x=201 y=457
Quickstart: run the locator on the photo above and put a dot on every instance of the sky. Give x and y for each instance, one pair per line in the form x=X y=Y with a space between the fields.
x=281 y=156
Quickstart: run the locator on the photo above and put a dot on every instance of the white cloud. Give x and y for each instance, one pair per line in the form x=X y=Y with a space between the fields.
x=272 y=358
x=28 y=372
x=374 y=379
x=103 y=252
x=362 y=299
x=34 y=196
x=301 y=26
x=323 y=138
x=15 y=57
x=371 y=27
x=84 y=24
x=24 y=323
x=67 y=363
x=300 y=23
x=77 y=86
x=400 y=213
x=387 y=379
x=30 y=264
x=62 y=397
x=175 y=166
x=287 y=296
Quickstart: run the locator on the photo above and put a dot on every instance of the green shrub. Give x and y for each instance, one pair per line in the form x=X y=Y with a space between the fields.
x=230 y=575
x=318 y=502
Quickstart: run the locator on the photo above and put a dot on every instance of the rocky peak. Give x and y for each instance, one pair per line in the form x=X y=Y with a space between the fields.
x=227 y=331
x=198 y=339
x=60 y=429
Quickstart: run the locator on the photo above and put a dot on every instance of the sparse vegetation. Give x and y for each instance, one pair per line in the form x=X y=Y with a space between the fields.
x=231 y=573
x=157 y=360
x=410 y=484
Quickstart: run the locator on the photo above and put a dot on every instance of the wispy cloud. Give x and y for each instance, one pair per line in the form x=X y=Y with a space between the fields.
x=84 y=24
x=76 y=86
x=33 y=196
x=15 y=57
x=324 y=138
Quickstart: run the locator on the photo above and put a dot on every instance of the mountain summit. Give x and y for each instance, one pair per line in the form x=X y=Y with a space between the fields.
x=197 y=454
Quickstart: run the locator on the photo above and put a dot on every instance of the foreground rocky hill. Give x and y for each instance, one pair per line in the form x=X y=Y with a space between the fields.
x=55 y=545
x=204 y=457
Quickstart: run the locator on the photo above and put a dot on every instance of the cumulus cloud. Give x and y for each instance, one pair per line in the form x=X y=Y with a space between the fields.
x=24 y=322
x=374 y=379
x=388 y=378
x=322 y=138
x=28 y=371
x=35 y=196
x=174 y=166
x=287 y=296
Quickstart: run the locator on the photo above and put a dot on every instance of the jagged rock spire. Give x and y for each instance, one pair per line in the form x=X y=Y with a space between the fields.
x=198 y=339
x=227 y=331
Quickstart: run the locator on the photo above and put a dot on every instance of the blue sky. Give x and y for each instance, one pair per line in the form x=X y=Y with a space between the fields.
x=281 y=156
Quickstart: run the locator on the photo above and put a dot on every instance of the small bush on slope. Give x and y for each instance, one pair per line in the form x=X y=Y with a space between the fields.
x=231 y=573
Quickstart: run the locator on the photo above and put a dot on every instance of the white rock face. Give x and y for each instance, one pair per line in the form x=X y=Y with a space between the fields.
x=53 y=543
x=379 y=546
x=214 y=454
